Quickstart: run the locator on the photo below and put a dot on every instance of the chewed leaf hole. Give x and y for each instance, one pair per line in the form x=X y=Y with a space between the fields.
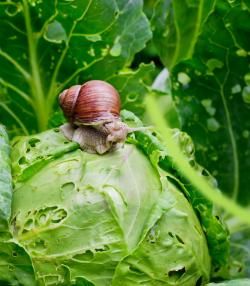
x=171 y=234
x=29 y=224
x=135 y=270
x=199 y=282
x=192 y=163
x=86 y=256
x=59 y=215
x=102 y=249
x=33 y=142
x=22 y=161
x=179 y=239
x=176 y=273
x=153 y=235
x=42 y=219
x=39 y=244
x=14 y=253
x=205 y=173
x=67 y=187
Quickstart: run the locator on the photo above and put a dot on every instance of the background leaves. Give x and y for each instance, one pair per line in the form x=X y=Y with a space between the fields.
x=47 y=46
x=211 y=86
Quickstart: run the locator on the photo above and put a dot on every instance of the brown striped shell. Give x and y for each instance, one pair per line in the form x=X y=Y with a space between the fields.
x=93 y=102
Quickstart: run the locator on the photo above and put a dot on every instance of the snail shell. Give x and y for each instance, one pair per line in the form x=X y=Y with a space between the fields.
x=93 y=102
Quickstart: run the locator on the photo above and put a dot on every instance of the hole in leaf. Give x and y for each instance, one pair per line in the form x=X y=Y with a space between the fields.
x=67 y=187
x=33 y=142
x=179 y=239
x=170 y=234
x=205 y=173
x=101 y=249
x=42 y=219
x=199 y=282
x=29 y=224
x=86 y=256
x=59 y=215
x=22 y=161
x=176 y=273
x=135 y=270
x=192 y=163
x=25 y=231
x=132 y=97
x=39 y=244
x=14 y=253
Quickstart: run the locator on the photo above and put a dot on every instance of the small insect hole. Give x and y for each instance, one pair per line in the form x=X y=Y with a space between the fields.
x=170 y=234
x=176 y=273
x=14 y=254
x=135 y=270
x=199 y=282
x=33 y=142
x=179 y=239
x=205 y=173
x=22 y=161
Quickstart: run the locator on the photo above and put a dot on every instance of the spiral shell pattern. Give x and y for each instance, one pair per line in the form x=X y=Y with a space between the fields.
x=94 y=101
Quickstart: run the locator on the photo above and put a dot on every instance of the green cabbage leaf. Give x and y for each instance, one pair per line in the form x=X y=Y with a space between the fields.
x=103 y=220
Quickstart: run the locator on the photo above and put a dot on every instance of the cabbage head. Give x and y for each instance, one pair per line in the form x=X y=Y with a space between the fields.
x=115 y=219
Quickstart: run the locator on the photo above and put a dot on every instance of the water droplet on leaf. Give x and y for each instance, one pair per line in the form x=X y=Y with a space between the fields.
x=213 y=64
x=247 y=78
x=241 y=53
x=55 y=33
x=236 y=89
x=246 y=94
x=183 y=78
x=212 y=124
x=94 y=38
x=116 y=49
x=245 y=134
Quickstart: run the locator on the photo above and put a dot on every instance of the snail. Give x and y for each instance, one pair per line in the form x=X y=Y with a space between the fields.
x=93 y=112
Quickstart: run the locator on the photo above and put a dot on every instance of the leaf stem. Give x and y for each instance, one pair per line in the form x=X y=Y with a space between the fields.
x=52 y=90
x=35 y=82
x=180 y=161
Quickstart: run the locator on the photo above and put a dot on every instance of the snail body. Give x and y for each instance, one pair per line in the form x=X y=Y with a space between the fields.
x=93 y=112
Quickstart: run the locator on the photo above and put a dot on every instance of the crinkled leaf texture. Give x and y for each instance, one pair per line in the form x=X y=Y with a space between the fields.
x=16 y=267
x=103 y=220
x=216 y=231
x=46 y=46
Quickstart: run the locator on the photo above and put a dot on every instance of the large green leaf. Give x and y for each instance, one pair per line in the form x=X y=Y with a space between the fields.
x=46 y=46
x=5 y=183
x=212 y=94
x=16 y=266
x=216 y=231
x=79 y=215
x=176 y=25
